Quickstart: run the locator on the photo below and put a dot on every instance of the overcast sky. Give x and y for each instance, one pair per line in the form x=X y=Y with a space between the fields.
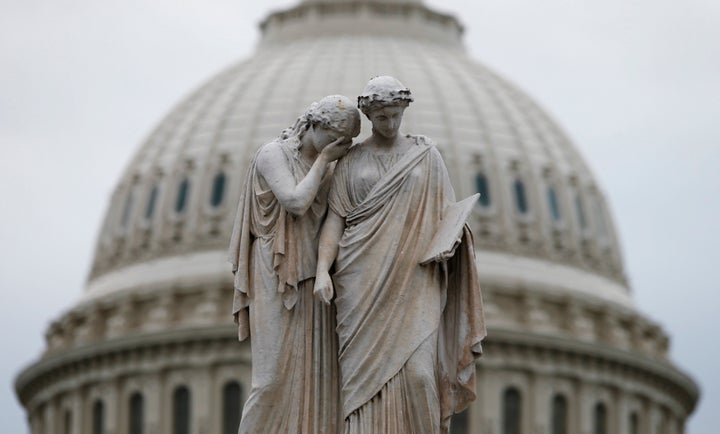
x=636 y=84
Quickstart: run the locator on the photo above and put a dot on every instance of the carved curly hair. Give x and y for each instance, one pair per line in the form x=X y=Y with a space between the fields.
x=383 y=91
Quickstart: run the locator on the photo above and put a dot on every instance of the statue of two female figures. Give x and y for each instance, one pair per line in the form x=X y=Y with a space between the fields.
x=388 y=345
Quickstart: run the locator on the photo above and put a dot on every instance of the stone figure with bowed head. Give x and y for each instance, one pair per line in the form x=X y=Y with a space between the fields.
x=409 y=328
x=274 y=253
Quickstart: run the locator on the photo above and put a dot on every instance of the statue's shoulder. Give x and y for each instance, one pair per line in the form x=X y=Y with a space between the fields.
x=276 y=151
x=280 y=145
x=432 y=150
x=422 y=140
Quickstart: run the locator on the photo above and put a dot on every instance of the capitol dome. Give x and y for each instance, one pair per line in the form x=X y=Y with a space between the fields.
x=567 y=352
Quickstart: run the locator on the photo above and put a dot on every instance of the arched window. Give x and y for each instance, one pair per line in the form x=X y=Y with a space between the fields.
x=520 y=197
x=98 y=417
x=559 y=415
x=182 y=196
x=482 y=186
x=127 y=210
x=137 y=414
x=600 y=424
x=512 y=415
x=634 y=424
x=580 y=210
x=152 y=199
x=218 y=190
x=67 y=422
x=181 y=411
x=554 y=206
x=460 y=423
x=39 y=427
x=232 y=407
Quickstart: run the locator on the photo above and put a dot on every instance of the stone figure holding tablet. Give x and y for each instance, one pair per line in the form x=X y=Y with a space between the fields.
x=409 y=326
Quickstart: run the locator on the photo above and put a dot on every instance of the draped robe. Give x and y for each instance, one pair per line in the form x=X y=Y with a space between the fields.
x=294 y=347
x=408 y=334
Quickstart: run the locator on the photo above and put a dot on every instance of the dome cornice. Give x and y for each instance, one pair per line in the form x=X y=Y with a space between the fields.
x=509 y=348
x=189 y=346
x=156 y=352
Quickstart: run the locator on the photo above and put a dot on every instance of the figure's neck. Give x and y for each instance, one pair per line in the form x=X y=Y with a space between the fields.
x=382 y=142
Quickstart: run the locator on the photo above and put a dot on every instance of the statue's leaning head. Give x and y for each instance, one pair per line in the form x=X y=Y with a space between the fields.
x=383 y=91
x=335 y=113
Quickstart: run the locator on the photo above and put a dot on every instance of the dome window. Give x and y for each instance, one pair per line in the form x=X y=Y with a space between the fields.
x=634 y=423
x=559 y=415
x=98 y=418
x=218 y=190
x=511 y=417
x=137 y=414
x=232 y=407
x=482 y=187
x=182 y=195
x=127 y=210
x=520 y=197
x=600 y=422
x=67 y=422
x=40 y=421
x=152 y=199
x=554 y=206
x=580 y=210
x=181 y=411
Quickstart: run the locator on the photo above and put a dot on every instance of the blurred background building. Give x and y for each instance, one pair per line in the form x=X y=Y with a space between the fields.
x=150 y=347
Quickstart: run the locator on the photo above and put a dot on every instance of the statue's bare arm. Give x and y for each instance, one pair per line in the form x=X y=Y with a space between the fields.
x=330 y=235
x=296 y=198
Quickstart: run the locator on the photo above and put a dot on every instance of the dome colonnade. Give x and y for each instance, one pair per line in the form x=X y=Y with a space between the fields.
x=155 y=314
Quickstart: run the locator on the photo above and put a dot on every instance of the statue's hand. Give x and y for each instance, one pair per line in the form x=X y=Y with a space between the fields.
x=324 y=287
x=336 y=149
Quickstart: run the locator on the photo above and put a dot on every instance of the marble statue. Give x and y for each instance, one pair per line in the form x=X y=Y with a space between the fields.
x=273 y=249
x=409 y=328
